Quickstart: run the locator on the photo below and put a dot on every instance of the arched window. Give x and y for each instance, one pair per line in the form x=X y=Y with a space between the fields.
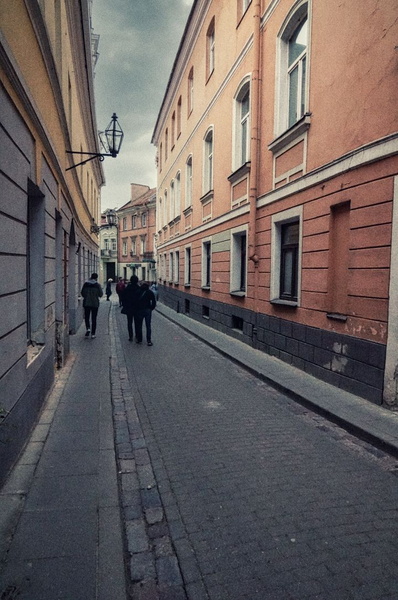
x=210 y=48
x=208 y=162
x=292 y=77
x=242 y=125
x=188 y=182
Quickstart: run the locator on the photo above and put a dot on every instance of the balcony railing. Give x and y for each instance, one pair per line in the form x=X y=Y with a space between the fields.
x=108 y=253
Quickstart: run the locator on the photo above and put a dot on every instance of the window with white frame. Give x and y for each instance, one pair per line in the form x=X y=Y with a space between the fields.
x=106 y=242
x=286 y=256
x=171 y=266
x=187 y=266
x=176 y=270
x=245 y=5
x=293 y=45
x=190 y=91
x=206 y=264
x=124 y=223
x=188 y=182
x=143 y=244
x=165 y=207
x=210 y=47
x=133 y=246
x=238 y=270
x=143 y=220
x=242 y=125
x=172 y=200
x=159 y=214
x=124 y=247
x=178 y=194
x=179 y=110
x=208 y=162
x=134 y=221
x=114 y=244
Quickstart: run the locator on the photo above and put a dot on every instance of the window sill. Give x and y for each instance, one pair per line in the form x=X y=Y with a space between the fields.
x=291 y=134
x=238 y=293
x=337 y=317
x=280 y=302
x=187 y=285
x=205 y=288
x=239 y=173
x=207 y=196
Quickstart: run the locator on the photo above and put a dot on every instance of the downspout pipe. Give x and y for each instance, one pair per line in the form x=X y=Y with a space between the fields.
x=255 y=132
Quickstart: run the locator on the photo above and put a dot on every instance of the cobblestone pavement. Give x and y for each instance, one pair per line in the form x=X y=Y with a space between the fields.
x=233 y=491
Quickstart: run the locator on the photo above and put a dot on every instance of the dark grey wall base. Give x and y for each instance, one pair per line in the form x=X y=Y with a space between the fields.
x=17 y=425
x=351 y=364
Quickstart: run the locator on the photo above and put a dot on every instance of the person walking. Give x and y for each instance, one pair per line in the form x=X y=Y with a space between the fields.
x=120 y=287
x=109 y=289
x=146 y=304
x=91 y=293
x=130 y=302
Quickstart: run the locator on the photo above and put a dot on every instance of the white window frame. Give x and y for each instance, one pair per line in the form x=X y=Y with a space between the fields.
x=210 y=41
x=188 y=265
x=171 y=266
x=124 y=247
x=208 y=160
x=241 y=155
x=206 y=266
x=190 y=90
x=172 y=201
x=288 y=216
x=236 y=261
x=177 y=203
x=297 y=15
x=176 y=270
x=188 y=181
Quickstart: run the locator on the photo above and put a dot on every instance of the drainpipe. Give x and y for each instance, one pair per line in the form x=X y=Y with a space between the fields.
x=254 y=143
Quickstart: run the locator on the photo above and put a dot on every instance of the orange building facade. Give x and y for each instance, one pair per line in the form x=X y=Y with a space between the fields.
x=136 y=234
x=277 y=181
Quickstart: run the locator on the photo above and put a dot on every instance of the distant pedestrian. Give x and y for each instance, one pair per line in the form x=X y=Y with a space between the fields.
x=154 y=289
x=120 y=287
x=108 y=290
x=91 y=293
x=130 y=305
x=146 y=304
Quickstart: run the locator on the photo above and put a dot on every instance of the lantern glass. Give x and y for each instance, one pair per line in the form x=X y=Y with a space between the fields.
x=114 y=136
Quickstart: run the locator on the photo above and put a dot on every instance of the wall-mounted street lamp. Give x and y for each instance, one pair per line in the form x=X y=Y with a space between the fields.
x=111 y=221
x=110 y=140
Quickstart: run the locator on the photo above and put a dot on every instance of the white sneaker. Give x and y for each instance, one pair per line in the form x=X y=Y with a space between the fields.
x=92 y=337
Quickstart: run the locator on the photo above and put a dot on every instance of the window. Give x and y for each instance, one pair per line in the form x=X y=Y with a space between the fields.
x=210 y=48
x=171 y=266
x=114 y=244
x=173 y=129
x=179 y=106
x=159 y=214
x=242 y=125
x=160 y=156
x=176 y=266
x=166 y=144
x=208 y=162
x=289 y=260
x=178 y=194
x=143 y=220
x=188 y=183
x=133 y=247
x=172 y=200
x=133 y=221
x=106 y=243
x=245 y=5
x=124 y=223
x=293 y=73
x=286 y=256
x=165 y=219
x=187 y=266
x=238 y=262
x=206 y=264
x=124 y=247
x=35 y=267
x=143 y=244
x=190 y=91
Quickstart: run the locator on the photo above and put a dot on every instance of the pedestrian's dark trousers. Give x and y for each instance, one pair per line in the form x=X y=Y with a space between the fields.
x=144 y=314
x=130 y=318
x=93 y=311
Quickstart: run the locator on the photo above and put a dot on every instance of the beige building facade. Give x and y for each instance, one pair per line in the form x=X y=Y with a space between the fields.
x=136 y=234
x=277 y=162
x=48 y=208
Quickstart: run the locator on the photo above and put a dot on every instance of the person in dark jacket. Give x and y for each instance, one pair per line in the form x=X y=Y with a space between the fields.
x=130 y=304
x=146 y=304
x=91 y=293
x=120 y=287
x=108 y=290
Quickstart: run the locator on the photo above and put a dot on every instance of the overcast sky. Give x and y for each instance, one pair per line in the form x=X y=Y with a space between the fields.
x=138 y=43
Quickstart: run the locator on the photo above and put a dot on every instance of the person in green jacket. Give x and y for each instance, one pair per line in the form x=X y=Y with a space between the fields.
x=91 y=292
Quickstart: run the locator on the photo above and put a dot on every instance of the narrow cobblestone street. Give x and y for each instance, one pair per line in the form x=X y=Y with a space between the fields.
x=247 y=494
